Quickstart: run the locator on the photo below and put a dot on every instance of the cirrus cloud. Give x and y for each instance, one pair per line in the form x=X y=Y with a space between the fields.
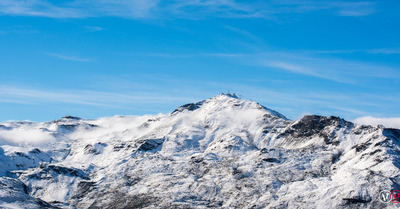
x=187 y=9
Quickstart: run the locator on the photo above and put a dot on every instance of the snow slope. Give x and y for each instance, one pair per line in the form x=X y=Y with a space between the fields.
x=223 y=152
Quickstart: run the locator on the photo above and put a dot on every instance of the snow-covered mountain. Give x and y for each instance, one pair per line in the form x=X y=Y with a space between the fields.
x=223 y=152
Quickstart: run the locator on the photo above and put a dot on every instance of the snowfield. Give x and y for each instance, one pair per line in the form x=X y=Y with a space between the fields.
x=223 y=152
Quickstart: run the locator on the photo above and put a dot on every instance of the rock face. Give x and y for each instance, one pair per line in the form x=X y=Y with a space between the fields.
x=223 y=152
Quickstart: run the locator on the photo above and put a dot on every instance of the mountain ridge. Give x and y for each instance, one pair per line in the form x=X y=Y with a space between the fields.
x=219 y=152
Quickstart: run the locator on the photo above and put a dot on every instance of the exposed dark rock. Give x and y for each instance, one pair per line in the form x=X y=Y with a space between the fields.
x=94 y=149
x=21 y=154
x=153 y=119
x=118 y=146
x=67 y=118
x=361 y=147
x=271 y=160
x=72 y=127
x=131 y=180
x=336 y=157
x=371 y=153
x=89 y=149
x=68 y=171
x=84 y=187
x=150 y=144
x=69 y=127
x=44 y=205
x=392 y=133
x=5 y=127
x=71 y=117
x=58 y=170
x=314 y=125
x=149 y=121
x=231 y=95
x=355 y=200
x=35 y=151
x=20 y=192
x=144 y=125
x=273 y=112
x=196 y=159
x=362 y=129
x=189 y=107
x=117 y=200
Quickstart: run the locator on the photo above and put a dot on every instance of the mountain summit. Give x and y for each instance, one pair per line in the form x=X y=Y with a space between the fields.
x=223 y=152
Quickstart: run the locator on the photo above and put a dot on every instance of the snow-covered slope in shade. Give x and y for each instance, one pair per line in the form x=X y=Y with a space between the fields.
x=221 y=152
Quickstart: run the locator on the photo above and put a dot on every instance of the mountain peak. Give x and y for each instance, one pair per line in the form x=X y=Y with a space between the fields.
x=70 y=117
x=221 y=98
x=227 y=103
x=233 y=95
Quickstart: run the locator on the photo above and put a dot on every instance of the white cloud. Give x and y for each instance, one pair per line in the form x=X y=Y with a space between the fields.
x=25 y=137
x=387 y=122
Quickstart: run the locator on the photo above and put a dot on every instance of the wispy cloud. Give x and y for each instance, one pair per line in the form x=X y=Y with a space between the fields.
x=340 y=8
x=94 y=28
x=335 y=69
x=384 y=51
x=246 y=34
x=180 y=8
x=21 y=95
x=122 y=93
x=351 y=51
x=218 y=8
x=339 y=70
x=40 y=8
x=79 y=9
x=19 y=30
x=355 y=9
x=309 y=63
x=68 y=57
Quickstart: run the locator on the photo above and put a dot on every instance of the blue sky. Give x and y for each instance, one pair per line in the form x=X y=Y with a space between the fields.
x=107 y=57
